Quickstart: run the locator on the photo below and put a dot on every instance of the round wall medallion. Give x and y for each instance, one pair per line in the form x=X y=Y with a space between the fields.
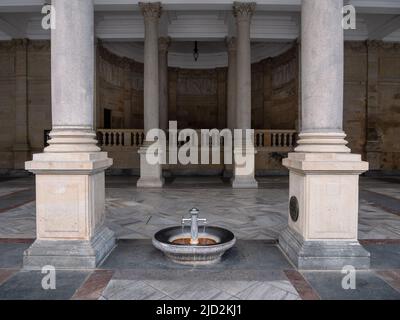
x=294 y=208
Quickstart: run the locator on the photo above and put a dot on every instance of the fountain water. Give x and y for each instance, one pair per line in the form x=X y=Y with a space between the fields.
x=194 y=247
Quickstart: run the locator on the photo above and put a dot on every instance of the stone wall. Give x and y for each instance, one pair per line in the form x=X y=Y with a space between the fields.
x=24 y=86
x=197 y=98
x=7 y=103
x=275 y=92
x=372 y=102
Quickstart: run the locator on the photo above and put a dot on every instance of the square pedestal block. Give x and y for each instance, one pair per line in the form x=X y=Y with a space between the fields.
x=150 y=174
x=323 y=211
x=243 y=173
x=70 y=197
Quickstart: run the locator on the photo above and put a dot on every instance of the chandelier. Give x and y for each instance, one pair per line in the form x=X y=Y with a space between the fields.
x=196 y=51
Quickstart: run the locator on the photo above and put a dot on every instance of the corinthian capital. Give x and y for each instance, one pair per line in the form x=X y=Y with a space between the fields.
x=243 y=10
x=150 y=10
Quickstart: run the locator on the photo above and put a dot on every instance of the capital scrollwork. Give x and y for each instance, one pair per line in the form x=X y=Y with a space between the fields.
x=151 y=10
x=243 y=10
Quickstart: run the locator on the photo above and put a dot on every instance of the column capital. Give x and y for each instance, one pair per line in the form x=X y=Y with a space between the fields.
x=163 y=44
x=151 y=10
x=243 y=10
x=231 y=44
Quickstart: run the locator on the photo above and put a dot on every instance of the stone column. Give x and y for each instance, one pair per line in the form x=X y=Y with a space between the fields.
x=323 y=189
x=231 y=96
x=150 y=174
x=163 y=45
x=231 y=93
x=243 y=172
x=21 y=146
x=70 y=173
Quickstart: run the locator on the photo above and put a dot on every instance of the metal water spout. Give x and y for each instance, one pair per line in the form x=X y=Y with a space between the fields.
x=194 y=225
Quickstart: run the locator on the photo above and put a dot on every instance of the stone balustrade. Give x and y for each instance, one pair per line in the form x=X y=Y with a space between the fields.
x=119 y=139
x=124 y=139
x=275 y=140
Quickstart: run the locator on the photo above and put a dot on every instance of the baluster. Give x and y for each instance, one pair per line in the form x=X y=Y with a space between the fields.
x=285 y=139
x=273 y=140
x=126 y=139
x=100 y=138
x=142 y=138
x=137 y=139
x=267 y=139
x=290 y=140
x=117 y=140
x=107 y=140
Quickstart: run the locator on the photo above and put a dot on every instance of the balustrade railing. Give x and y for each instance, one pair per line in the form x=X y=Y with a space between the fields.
x=274 y=140
x=120 y=138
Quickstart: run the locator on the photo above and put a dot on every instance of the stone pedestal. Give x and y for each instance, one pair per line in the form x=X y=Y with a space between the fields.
x=150 y=174
x=243 y=177
x=69 y=211
x=323 y=213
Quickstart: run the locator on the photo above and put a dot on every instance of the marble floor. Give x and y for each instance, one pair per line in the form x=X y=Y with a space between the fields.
x=136 y=270
x=251 y=270
x=251 y=214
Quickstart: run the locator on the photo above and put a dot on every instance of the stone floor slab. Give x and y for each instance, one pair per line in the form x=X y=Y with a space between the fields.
x=27 y=285
x=369 y=286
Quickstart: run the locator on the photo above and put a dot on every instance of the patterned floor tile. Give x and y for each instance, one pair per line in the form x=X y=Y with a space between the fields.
x=131 y=290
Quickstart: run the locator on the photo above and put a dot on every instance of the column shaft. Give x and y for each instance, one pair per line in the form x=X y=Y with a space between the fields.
x=231 y=96
x=322 y=61
x=244 y=166
x=163 y=45
x=150 y=174
x=243 y=13
x=151 y=13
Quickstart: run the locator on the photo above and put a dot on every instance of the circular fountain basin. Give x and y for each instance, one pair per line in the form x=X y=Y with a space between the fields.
x=175 y=243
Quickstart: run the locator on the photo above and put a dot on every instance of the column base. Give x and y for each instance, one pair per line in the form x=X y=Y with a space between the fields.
x=70 y=196
x=150 y=182
x=70 y=254
x=323 y=211
x=150 y=174
x=323 y=254
x=244 y=182
x=243 y=173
